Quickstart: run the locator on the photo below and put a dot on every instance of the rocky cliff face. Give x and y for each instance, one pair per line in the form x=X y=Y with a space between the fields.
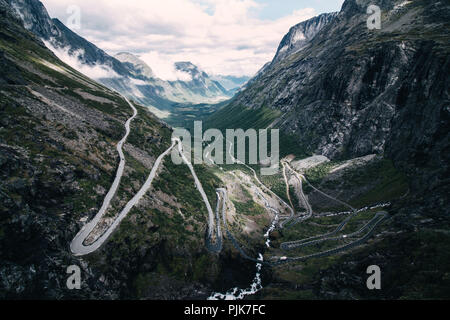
x=138 y=68
x=351 y=91
x=300 y=35
x=35 y=17
x=37 y=20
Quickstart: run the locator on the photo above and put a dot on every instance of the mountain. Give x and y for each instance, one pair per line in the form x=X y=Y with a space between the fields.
x=123 y=73
x=195 y=88
x=36 y=19
x=59 y=132
x=364 y=121
x=231 y=83
x=345 y=92
x=301 y=34
x=138 y=68
x=200 y=84
x=298 y=37
x=351 y=91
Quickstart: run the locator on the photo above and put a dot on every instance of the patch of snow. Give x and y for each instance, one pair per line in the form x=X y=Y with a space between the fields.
x=283 y=49
x=298 y=36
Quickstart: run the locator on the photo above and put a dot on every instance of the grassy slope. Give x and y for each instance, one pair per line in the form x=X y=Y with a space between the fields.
x=238 y=117
x=85 y=149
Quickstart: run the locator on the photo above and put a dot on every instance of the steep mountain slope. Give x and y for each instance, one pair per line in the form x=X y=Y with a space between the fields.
x=231 y=83
x=300 y=35
x=36 y=19
x=138 y=68
x=352 y=92
x=58 y=157
x=58 y=135
x=122 y=73
x=200 y=82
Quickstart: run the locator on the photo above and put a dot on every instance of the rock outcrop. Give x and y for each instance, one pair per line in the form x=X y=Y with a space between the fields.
x=349 y=91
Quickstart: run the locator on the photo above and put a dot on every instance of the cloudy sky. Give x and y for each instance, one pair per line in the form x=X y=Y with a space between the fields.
x=227 y=37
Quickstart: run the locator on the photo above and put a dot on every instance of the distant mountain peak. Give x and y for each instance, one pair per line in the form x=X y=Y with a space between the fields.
x=136 y=66
x=35 y=17
x=125 y=72
x=301 y=34
x=185 y=64
x=188 y=67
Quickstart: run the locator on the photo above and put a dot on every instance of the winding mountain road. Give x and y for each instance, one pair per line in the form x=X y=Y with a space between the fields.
x=309 y=214
x=302 y=196
x=371 y=226
x=264 y=187
x=214 y=243
x=202 y=192
x=77 y=246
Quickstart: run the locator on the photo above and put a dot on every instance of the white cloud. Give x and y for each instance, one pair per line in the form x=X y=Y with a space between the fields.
x=137 y=82
x=164 y=67
x=220 y=36
x=94 y=72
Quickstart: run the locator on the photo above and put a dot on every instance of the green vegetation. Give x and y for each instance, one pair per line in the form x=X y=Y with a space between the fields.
x=416 y=268
x=316 y=174
x=177 y=180
x=391 y=183
x=65 y=167
x=239 y=117
x=375 y=182
x=289 y=145
x=277 y=184
x=249 y=208
x=183 y=116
